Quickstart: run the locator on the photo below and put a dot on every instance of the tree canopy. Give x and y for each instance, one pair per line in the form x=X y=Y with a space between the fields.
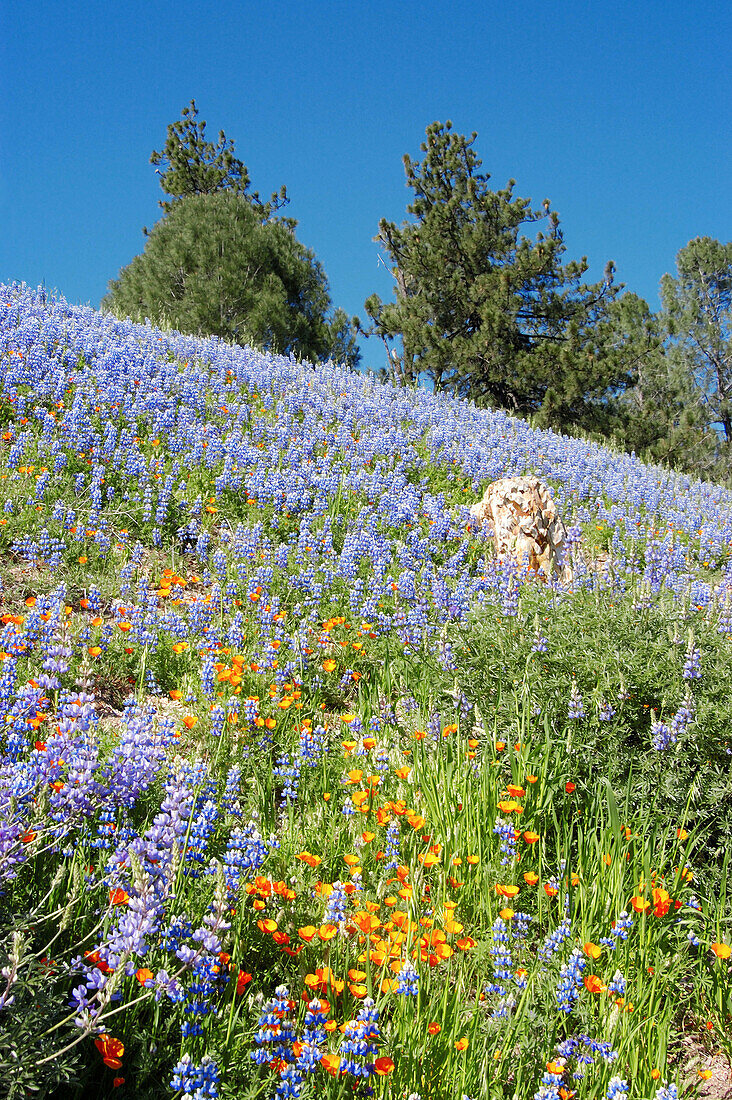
x=194 y=166
x=213 y=266
x=221 y=263
x=697 y=310
x=485 y=311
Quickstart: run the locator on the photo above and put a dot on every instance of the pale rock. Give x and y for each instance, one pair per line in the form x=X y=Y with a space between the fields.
x=525 y=524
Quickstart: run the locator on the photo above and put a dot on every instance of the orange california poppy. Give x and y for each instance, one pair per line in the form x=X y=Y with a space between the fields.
x=111 y=1050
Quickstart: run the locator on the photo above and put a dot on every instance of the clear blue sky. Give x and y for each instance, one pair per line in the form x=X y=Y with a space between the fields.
x=620 y=114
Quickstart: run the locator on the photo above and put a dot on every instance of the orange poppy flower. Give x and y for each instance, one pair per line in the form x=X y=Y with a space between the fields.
x=661 y=901
x=594 y=984
x=331 y=1064
x=383 y=1066
x=462 y=1044
x=507 y=891
x=267 y=925
x=428 y=859
x=111 y=1050
x=309 y=858
x=433 y=1028
x=466 y=943
x=242 y=980
x=322 y=979
x=721 y=950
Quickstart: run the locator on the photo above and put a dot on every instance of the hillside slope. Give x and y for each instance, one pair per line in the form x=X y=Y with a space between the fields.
x=302 y=792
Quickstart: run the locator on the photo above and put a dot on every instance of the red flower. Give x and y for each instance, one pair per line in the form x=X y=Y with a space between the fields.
x=111 y=1050
x=242 y=980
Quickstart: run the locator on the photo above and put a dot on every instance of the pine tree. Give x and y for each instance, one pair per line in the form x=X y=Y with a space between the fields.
x=697 y=313
x=221 y=263
x=660 y=417
x=483 y=310
x=194 y=166
x=213 y=267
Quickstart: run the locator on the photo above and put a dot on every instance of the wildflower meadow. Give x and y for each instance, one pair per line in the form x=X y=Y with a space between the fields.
x=302 y=791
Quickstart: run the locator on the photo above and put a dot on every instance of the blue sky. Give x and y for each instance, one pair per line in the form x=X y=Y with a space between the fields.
x=620 y=114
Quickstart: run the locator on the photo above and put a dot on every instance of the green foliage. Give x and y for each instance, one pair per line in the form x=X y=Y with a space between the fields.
x=662 y=418
x=214 y=266
x=194 y=166
x=221 y=264
x=483 y=310
x=679 y=409
x=627 y=660
x=521 y=834
x=697 y=307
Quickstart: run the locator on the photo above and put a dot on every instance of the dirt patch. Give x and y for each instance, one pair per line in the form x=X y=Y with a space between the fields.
x=700 y=1058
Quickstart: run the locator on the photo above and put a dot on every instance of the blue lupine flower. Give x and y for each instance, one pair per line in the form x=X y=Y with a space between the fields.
x=196 y=1082
x=617 y=1088
x=570 y=981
